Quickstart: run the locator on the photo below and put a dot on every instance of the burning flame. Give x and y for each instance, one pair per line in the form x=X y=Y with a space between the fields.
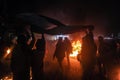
x=76 y=48
x=8 y=51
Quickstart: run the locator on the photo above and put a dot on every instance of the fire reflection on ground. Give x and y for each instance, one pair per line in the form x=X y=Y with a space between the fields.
x=114 y=73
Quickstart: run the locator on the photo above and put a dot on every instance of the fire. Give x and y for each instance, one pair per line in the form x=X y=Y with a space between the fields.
x=76 y=48
x=8 y=51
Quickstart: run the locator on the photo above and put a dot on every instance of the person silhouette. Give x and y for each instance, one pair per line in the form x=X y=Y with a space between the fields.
x=21 y=55
x=88 y=54
x=102 y=51
x=38 y=59
x=59 y=52
x=68 y=49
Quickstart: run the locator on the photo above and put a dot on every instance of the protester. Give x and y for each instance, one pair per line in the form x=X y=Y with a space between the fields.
x=102 y=55
x=88 y=54
x=59 y=52
x=20 y=60
x=38 y=59
x=68 y=49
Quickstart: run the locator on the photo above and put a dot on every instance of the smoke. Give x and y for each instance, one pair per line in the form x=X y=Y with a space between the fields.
x=75 y=14
x=68 y=12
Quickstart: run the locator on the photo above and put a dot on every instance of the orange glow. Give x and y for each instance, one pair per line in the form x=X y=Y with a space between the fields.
x=8 y=51
x=118 y=74
x=76 y=48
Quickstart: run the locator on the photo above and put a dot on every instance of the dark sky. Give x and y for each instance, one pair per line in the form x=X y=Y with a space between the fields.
x=103 y=14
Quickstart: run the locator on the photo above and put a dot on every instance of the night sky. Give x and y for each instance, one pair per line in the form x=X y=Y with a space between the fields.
x=104 y=15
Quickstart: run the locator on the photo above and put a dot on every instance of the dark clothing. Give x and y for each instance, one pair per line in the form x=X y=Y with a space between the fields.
x=88 y=55
x=20 y=64
x=68 y=46
x=113 y=49
x=21 y=59
x=103 y=56
x=88 y=51
x=103 y=51
x=37 y=65
x=60 y=52
x=41 y=44
x=38 y=60
x=68 y=49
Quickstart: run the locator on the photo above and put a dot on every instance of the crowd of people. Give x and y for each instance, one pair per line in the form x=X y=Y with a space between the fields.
x=24 y=56
x=92 y=54
x=98 y=53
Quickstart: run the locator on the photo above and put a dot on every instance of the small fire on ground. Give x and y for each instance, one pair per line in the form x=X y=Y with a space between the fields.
x=76 y=48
